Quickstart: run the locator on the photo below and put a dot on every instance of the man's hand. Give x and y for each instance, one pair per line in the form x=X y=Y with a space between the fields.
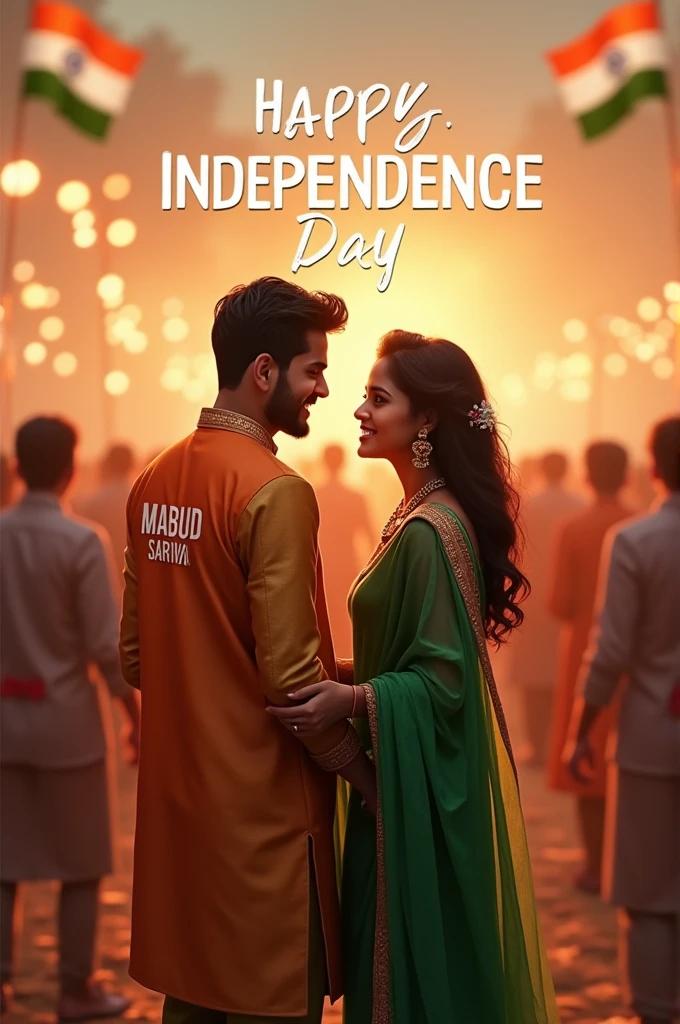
x=581 y=761
x=130 y=705
x=321 y=705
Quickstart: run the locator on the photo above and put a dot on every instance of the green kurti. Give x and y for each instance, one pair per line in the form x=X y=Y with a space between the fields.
x=440 y=924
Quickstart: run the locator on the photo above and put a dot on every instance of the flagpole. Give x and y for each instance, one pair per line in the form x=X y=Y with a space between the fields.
x=674 y=158
x=7 y=355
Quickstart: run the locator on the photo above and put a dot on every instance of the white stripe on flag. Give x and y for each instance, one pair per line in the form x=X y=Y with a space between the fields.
x=96 y=84
x=595 y=83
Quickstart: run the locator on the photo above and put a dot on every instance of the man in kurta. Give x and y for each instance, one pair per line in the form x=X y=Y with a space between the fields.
x=571 y=599
x=59 y=620
x=639 y=638
x=235 y=896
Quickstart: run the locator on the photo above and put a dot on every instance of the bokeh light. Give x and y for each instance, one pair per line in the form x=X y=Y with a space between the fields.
x=121 y=328
x=121 y=232
x=116 y=186
x=618 y=326
x=175 y=329
x=615 y=364
x=33 y=295
x=663 y=368
x=19 y=178
x=645 y=351
x=135 y=341
x=178 y=361
x=673 y=312
x=575 y=331
x=545 y=371
x=575 y=390
x=52 y=297
x=65 y=364
x=671 y=291
x=2 y=313
x=51 y=328
x=649 y=309
x=666 y=328
x=514 y=388
x=131 y=312
x=116 y=382
x=172 y=307
x=82 y=219
x=85 y=238
x=73 y=196
x=35 y=353
x=23 y=271
x=173 y=378
x=194 y=389
x=578 y=365
x=110 y=286
x=657 y=341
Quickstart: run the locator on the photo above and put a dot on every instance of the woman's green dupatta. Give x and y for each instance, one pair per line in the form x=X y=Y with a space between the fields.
x=440 y=923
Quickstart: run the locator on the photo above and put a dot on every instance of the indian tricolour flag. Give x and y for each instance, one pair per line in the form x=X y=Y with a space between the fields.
x=621 y=60
x=84 y=72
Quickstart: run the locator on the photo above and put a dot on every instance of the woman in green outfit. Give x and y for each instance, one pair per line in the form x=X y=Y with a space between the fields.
x=440 y=923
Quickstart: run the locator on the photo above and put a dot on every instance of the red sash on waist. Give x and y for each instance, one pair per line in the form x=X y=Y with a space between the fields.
x=22 y=689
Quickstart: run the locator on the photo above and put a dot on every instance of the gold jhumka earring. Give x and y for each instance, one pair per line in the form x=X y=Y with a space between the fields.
x=422 y=449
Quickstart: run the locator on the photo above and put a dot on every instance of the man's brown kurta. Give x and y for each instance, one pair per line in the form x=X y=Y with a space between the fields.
x=223 y=612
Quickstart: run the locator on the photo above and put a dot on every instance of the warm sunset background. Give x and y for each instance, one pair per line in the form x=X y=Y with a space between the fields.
x=501 y=283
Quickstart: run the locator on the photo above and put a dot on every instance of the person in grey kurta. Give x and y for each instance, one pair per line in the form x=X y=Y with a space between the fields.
x=58 y=619
x=639 y=637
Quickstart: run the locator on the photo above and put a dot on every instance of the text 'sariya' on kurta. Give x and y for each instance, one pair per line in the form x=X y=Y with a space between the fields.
x=171 y=527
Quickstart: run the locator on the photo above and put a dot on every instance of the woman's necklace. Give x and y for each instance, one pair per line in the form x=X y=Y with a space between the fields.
x=402 y=511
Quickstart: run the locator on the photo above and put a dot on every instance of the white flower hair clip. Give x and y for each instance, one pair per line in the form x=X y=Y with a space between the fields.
x=482 y=416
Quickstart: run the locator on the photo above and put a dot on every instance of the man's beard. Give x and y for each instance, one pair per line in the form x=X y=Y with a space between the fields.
x=283 y=409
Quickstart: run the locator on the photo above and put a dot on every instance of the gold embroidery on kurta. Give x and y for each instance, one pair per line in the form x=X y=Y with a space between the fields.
x=223 y=419
x=381 y=954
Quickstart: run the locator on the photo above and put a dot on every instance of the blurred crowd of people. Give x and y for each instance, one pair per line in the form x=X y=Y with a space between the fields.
x=63 y=540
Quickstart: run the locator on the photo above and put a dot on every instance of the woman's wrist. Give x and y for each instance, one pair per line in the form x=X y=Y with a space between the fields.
x=359 y=703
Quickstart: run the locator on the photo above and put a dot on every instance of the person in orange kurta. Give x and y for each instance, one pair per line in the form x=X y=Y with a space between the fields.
x=234 y=892
x=571 y=599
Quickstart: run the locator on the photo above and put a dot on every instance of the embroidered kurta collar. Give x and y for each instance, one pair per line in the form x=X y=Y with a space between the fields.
x=223 y=419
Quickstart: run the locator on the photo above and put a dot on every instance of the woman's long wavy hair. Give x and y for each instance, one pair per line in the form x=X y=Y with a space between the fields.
x=438 y=375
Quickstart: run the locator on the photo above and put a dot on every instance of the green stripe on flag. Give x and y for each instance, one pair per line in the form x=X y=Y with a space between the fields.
x=52 y=88
x=644 y=83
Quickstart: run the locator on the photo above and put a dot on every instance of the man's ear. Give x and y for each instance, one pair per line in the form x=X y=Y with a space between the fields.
x=264 y=371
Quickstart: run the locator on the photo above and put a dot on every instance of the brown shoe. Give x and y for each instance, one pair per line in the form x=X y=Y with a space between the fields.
x=91 y=1002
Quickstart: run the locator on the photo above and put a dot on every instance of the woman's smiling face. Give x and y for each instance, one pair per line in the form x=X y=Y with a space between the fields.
x=388 y=425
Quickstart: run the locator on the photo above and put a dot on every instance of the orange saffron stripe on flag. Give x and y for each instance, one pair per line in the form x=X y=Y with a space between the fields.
x=69 y=21
x=633 y=17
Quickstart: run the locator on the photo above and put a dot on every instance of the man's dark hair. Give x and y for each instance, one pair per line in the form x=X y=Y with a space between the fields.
x=665 y=447
x=607 y=465
x=45 y=447
x=118 y=460
x=273 y=316
x=554 y=466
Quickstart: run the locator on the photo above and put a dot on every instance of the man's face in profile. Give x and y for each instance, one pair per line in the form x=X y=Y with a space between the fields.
x=299 y=387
